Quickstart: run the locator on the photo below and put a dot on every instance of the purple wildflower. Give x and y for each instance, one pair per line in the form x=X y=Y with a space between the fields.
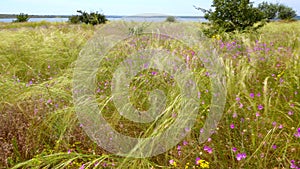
x=171 y=162
x=49 y=101
x=35 y=111
x=82 y=167
x=208 y=149
x=232 y=126
x=281 y=80
x=187 y=129
x=96 y=164
x=154 y=73
x=199 y=95
x=198 y=160
x=257 y=114
x=297 y=135
x=193 y=53
x=187 y=58
x=241 y=105
x=241 y=156
x=294 y=165
x=104 y=164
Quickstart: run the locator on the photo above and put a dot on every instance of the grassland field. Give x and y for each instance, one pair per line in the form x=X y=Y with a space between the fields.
x=260 y=126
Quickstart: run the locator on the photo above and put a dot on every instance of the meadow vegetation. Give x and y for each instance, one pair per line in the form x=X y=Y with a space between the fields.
x=260 y=127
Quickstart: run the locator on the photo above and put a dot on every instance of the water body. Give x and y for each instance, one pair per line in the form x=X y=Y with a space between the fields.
x=36 y=19
x=114 y=18
x=157 y=18
x=131 y=18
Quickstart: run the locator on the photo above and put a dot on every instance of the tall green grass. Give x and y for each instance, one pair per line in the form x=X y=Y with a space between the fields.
x=39 y=128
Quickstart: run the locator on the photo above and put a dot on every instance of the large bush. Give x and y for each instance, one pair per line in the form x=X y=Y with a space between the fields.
x=22 y=18
x=93 y=18
x=232 y=15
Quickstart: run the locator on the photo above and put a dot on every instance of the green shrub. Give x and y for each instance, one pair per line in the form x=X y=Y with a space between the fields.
x=270 y=10
x=232 y=15
x=276 y=11
x=93 y=18
x=74 y=19
x=286 y=13
x=171 y=19
x=22 y=18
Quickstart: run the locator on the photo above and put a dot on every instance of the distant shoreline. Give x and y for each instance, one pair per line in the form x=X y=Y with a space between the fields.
x=4 y=16
x=148 y=17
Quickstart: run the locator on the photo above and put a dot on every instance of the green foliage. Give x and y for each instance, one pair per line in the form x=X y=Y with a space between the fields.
x=232 y=15
x=286 y=13
x=171 y=19
x=276 y=11
x=93 y=18
x=22 y=18
x=74 y=19
x=270 y=10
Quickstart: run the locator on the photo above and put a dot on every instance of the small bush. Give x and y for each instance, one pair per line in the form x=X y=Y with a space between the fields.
x=74 y=19
x=171 y=19
x=93 y=18
x=22 y=18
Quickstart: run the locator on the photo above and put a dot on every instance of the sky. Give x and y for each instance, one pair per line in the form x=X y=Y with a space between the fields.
x=117 y=7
